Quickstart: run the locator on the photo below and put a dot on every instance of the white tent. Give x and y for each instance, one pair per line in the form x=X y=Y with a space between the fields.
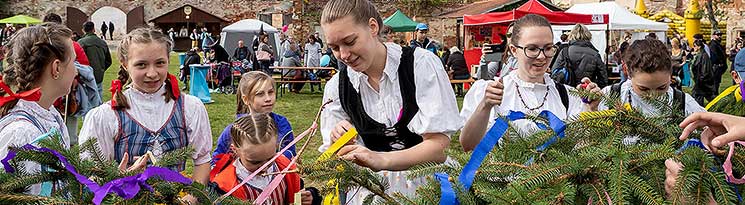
x=620 y=20
x=247 y=30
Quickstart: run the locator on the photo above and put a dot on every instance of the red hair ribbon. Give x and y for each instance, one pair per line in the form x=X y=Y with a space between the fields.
x=174 y=85
x=116 y=86
x=30 y=95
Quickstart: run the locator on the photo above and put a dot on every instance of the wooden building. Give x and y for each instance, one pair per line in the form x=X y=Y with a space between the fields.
x=179 y=21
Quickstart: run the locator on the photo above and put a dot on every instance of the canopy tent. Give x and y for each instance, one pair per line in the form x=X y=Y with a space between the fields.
x=247 y=30
x=21 y=19
x=620 y=18
x=399 y=22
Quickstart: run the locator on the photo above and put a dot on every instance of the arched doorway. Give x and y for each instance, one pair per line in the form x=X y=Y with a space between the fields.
x=75 y=19
x=110 y=14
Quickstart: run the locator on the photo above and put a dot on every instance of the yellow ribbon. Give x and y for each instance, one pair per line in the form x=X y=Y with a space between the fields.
x=333 y=198
x=728 y=91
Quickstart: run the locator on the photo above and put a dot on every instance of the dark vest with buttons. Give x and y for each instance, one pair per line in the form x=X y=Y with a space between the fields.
x=375 y=135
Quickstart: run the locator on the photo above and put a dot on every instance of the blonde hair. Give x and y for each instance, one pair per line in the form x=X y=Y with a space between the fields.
x=253 y=129
x=249 y=84
x=139 y=36
x=580 y=33
x=29 y=51
x=360 y=10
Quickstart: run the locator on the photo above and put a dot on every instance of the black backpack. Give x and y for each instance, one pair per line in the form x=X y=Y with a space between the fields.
x=678 y=96
x=564 y=74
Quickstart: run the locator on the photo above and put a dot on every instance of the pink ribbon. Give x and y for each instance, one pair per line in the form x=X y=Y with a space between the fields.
x=728 y=164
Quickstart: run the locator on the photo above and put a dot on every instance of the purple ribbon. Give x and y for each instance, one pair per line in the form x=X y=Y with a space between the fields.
x=126 y=187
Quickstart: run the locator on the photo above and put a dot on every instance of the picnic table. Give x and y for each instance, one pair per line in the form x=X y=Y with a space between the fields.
x=284 y=78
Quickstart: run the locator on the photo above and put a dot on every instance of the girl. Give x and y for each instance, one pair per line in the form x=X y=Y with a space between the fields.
x=398 y=98
x=151 y=115
x=678 y=57
x=528 y=89
x=265 y=54
x=254 y=142
x=40 y=70
x=256 y=95
x=312 y=52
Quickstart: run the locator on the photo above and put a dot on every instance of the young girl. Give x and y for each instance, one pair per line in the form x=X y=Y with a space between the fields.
x=151 y=114
x=398 y=98
x=528 y=89
x=253 y=143
x=256 y=95
x=40 y=70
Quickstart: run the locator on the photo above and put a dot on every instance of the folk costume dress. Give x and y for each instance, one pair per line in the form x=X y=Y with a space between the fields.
x=151 y=124
x=414 y=98
x=530 y=98
x=22 y=125
x=228 y=172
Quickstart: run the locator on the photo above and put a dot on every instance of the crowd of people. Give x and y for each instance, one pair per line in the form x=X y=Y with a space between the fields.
x=399 y=98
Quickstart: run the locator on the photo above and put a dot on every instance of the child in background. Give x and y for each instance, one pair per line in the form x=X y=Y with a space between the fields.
x=256 y=94
x=254 y=143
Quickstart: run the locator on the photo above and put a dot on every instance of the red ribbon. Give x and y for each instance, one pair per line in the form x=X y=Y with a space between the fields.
x=174 y=85
x=30 y=95
x=116 y=86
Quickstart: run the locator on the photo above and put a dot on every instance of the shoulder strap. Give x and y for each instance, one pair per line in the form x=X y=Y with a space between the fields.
x=23 y=115
x=679 y=100
x=563 y=94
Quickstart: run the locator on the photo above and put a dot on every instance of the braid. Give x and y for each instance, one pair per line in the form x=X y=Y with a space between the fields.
x=253 y=129
x=144 y=35
x=118 y=96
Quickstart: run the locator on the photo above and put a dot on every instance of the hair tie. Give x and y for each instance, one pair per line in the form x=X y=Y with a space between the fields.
x=174 y=85
x=30 y=95
x=116 y=86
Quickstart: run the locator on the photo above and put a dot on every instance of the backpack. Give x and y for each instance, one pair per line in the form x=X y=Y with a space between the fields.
x=563 y=94
x=564 y=74
x=678 y=97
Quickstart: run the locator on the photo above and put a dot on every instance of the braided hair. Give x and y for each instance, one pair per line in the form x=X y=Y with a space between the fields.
x=138 y=36
x=253 y=129
x=30 y=50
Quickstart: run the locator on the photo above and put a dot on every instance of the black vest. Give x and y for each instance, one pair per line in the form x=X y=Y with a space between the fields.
x=375 y=135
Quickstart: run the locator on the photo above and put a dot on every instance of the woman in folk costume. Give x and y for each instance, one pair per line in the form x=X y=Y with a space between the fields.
x=399 y=99
x=40 y=70
x=150 y=115
x=528 y=89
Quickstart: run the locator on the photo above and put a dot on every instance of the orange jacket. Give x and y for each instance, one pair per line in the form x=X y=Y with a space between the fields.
x=223 y=175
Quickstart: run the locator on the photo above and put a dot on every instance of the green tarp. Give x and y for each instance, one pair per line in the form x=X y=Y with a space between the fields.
x=399 y=22
x=20 y=19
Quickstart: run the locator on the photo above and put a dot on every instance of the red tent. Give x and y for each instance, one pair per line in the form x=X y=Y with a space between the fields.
x=488 y=27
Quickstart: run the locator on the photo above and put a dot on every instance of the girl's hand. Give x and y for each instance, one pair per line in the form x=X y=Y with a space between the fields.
x=721 y=129
x=139 y=164
x=306 y=198
x=493 y=94
x=362 y=156
x=341 y=128
x=587 y=85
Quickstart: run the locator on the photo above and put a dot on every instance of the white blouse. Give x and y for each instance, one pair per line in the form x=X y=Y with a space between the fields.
x=22 y=132
x=148 y=109
x=532 y=95
x=638 y=102
x=438 y=111
x=258 y=181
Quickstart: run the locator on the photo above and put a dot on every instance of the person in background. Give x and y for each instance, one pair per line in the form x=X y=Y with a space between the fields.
x=207 y=41
x=703 y=74
x=706 y=48
x=718 y=58
x=312 y=52
x=679 y=58
x=730 y=101
x=241 y=52
x=104 y=28
x=98 y=53
x=457 y=68
x=582 y=57
x=618 y=56
x=291 y=58
x=195 y=37
x=421 y=39
x=192 y=58
x=561 y=45
x=111 y=30
x=733 y=53
x=265 y=54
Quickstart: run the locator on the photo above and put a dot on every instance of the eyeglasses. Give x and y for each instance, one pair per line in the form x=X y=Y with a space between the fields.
x=534 y=51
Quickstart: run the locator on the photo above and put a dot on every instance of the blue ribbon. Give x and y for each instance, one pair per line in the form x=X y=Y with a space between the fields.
x=126 y=187
x=487 y=144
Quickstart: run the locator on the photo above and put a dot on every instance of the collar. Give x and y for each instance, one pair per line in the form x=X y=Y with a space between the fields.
x=393 y=60
x=133 y=92
x=242 y=173
x=48 y=114
x=519 y=82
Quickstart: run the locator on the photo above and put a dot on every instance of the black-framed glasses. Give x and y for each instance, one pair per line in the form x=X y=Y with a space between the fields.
x=535 y=51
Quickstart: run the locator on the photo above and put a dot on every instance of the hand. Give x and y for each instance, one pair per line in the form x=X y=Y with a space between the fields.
x=493 y=93
x=306 y=198
x=140 y=163
x=341 y=128
x=588 y=85
x=721 y=128
x=364 y=157
x=672 y=168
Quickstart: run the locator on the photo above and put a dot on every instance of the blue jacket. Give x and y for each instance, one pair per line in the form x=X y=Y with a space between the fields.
x=87 y=92
x=284 y=133
x=426 y=45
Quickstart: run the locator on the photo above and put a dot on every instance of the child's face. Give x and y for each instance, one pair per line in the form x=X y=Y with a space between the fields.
x=147 y=67
x=253 y=156
x=263 y=100
x=650 y=84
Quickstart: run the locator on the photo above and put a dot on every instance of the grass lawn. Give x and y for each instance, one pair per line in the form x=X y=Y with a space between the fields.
x=298 y=108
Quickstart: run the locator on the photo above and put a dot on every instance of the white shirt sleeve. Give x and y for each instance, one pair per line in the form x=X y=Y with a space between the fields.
x=20 y=133
x=332 y=113
x=606 y=92
x=473 y=98
x=691 y=106
x=575 y=105
x=198 y=129
x=103 y=124
x=438 y=110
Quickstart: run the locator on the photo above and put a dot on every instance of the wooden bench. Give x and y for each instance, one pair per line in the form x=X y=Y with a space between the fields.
x=284 y=79
x=461 y=82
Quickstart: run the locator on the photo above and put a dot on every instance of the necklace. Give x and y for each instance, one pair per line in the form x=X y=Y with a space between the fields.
x=525 y=104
